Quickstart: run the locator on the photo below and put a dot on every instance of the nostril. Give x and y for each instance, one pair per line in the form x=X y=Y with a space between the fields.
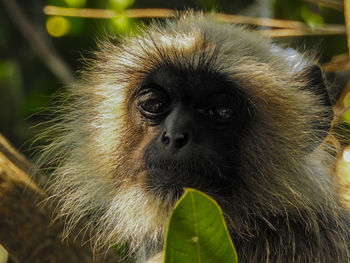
x=165 y=138
x=181 y=140
x=175 y=141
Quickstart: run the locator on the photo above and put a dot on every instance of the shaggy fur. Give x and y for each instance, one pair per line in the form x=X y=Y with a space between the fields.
x=285 y=208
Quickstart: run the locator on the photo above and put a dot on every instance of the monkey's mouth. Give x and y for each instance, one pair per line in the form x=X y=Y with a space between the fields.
x=163 y=183
x=168 y=179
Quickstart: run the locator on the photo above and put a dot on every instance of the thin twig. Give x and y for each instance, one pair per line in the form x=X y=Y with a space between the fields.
x=150 y=13
x=338 y=63
x=295 y=32
x=106 y=13
x=261 y=21
x=43 y=49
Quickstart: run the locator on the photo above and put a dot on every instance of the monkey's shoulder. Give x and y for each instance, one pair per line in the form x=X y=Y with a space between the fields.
x=277 y=239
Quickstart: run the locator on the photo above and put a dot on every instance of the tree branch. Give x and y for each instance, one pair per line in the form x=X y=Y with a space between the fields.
x=26 y=230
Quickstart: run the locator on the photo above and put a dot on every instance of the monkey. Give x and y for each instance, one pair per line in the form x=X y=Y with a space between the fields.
x=193 y=102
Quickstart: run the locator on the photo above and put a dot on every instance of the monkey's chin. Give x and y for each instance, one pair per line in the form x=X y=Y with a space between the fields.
x=165 y=184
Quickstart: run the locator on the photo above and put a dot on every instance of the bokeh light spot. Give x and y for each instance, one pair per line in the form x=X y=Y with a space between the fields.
x=57 y=26
x=120 y=23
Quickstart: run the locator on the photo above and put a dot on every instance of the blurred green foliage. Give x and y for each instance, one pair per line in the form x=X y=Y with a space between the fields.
x=26 y=84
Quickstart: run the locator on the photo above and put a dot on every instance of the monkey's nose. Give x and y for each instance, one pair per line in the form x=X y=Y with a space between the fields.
x=175 y=141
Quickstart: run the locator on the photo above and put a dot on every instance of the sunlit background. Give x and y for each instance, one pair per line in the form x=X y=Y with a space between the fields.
x=42 y=43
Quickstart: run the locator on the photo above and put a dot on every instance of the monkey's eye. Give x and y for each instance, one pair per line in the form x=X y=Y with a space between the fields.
x=222 y=107
x=220 y=112
x=154 y=106
x=153 y=103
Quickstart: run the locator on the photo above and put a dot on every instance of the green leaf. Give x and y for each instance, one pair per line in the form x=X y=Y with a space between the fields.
x=310 y=17
x=197 y=232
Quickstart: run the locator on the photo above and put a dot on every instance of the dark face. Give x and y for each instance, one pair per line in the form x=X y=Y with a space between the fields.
x=198 y=117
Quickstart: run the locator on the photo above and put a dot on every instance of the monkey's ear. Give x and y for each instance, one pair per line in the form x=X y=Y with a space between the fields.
x=316 y=84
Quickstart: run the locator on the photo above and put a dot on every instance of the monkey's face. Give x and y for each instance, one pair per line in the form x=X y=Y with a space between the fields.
x=202 y=113
x=194 y=120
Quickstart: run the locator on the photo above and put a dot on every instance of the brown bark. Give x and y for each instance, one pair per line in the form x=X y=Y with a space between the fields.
x=26 y=230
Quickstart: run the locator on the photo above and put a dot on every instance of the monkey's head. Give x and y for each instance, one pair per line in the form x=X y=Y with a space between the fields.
x=189 y=103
